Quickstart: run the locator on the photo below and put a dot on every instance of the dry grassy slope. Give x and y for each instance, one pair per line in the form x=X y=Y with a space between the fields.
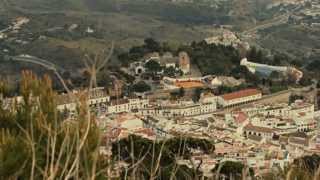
x=87 y=44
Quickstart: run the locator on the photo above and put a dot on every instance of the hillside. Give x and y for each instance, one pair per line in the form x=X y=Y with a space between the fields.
x=129 y=22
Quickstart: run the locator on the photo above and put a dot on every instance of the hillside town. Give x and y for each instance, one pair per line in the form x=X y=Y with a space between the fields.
x=160 y=89
x=248 y=126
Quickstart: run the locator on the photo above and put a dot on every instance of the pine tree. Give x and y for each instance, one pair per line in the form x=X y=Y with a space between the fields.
x=38 y=143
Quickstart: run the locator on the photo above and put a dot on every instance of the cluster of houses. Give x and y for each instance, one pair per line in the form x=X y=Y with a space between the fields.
x=259 y=135
x=99 y=100
x=228 y=38
x=166 y=60
x=14 y=27
x=281 y=118
x=185 y=108
x=309 y=16
x=208 y=103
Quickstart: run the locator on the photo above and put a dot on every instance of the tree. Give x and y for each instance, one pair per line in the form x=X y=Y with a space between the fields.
x=197 y=95
x=38 y=143
x=153 y=66
x=314 y=66
x=240 y=72
x=141 y=87
x=158 y=158
x=152 y=45
x=256 y=55
x=293 y=98
x=306 y=80
x=233 y=170
x=181 y=92
x=170 y=71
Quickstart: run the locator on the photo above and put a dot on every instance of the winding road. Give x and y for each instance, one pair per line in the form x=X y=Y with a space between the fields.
x=44 y=63
x=281 y=19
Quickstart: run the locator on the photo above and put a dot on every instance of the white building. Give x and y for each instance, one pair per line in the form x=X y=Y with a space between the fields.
x=225 y=81
x=89 y=30
x=3 y=36
x=126 y=105
x=263 y=132
x=137 y=67
x=278 y=124
x=19 y=22
x=268 y=69
x=227 y=38
x=239 y=97
x=301 y=113
x=207 y=104
x=96 y=97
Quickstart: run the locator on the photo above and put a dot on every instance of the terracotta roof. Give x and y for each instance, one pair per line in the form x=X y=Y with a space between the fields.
x=250 y=127
x=240 y=117
x=145 y=131
x=189 y=84
x=302 y=113
x=240 y=94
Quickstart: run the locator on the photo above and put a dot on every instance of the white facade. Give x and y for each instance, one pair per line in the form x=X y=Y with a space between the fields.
x=252 y=66
x=280 y=126
x=127 y=105
x=262 y=132
x=237 y=98
x=71 y=107
x=97 y=97
x=189 y=110
x=301 y=113
x=216 y=82
x=3 y=36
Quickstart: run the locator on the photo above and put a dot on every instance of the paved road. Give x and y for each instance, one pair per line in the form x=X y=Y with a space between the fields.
x=46 y=64
x=39 y=61
x=281 y=19
x=4 y=30
x=276 y=21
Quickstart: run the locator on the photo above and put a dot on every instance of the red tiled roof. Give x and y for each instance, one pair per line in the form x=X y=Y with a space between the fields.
x=189 y=84
x=240 y=94
x=250 y=127
x=302 y=113
x=145 y=131
x=240 y=117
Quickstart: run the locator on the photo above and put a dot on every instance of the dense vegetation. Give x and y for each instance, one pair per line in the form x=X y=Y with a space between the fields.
x=221 y=60
x=38 y=143
x=140 y=87
x=148 y=159
x=304 y=168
